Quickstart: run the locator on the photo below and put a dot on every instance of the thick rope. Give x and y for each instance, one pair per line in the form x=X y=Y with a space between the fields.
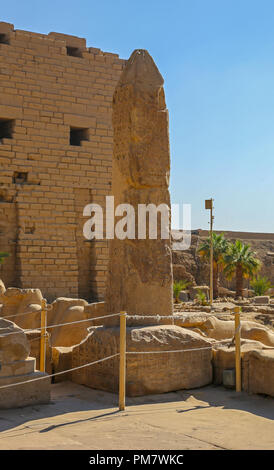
x=59 y=373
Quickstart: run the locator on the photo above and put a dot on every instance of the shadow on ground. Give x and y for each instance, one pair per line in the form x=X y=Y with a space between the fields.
x=69 y=398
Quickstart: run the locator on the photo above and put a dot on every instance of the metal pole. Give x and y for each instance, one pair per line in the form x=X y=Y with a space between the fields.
x=122 y=364
x=238 y=349
x=43 y=337
x=211 y=253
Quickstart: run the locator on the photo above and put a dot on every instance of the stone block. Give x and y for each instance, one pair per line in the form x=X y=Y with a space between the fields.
x=145 y=373
x=261 y=300
x=183 y=296
x=14 y=345
x=229 y=378
x=224 y=358
x=194 y=290
x=260 y=372
x=32 y=393
x=17 y=368
x=61 y=361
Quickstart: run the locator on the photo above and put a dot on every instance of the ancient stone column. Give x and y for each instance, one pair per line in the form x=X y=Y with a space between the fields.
x=140 y=270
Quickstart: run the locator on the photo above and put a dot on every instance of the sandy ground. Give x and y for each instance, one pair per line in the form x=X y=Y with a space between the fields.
x=81 y=418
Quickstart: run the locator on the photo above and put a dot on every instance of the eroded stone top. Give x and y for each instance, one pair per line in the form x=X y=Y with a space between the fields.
x=141 y=71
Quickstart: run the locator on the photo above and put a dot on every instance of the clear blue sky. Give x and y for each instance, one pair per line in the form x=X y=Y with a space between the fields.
x=217 y=59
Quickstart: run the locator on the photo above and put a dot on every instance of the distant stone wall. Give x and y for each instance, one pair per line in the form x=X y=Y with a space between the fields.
x=55 y=93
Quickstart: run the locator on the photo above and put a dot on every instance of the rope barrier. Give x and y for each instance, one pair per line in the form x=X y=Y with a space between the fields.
x=175 y=316
x=60 y=324
x=175 y=350
x=21 y=314
x=59 y=373
x=97 y=318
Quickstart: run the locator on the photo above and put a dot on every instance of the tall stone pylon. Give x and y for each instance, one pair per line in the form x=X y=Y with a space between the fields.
x=140 y=270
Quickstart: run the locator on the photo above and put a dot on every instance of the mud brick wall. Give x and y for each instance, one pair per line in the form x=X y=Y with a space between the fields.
x=55 y=157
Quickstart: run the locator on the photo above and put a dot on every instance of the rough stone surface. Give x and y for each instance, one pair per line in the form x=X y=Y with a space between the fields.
x=183 y=296
x=19 y=301
x=45 y=241
x=146 y=374
x=261 y=300
x=18 y=368
x=190 y=319
x=65 y=310
x=33 y=393
x=259 y=367
x=2 y=287
x=140 y=271
x=224 y=358
x=14 y=345
x=95 y=310
x=61 y=361
x=34 y=338
x=194 y=290
x=220 y=329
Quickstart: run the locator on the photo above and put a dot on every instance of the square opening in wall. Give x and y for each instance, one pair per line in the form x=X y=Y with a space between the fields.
x=4 y=39
x=74 y=51
x=6 y=128
x=77 y=135
x=20 y=177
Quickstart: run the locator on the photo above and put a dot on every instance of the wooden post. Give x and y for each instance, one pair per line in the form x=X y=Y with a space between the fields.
x=209 y=205
x=238 y=349
x=43 y=337
x=122 y=362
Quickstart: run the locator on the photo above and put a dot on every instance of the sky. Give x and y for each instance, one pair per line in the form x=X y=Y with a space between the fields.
x=217 y=60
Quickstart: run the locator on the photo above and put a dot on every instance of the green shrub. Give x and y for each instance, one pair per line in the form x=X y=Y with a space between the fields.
x=260 y=285
x=177 y=287
x=2 y=256
x=201 y=297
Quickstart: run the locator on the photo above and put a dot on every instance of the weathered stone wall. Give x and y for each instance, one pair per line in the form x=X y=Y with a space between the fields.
x=44 y=181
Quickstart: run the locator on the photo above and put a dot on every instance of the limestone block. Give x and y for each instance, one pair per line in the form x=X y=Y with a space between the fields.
x=94 y=310
x=224 y=292
x=32 y=393
x=260 y=372
x=18 y=367
x=6 y=27
x=65 y=310
x=18 y=301
x=224 y=358
x=193 y=291
x=190 y=319
x=146 y=373
x=229 y=378
x=183 y=296
x=14 y=345
x=61 y=361
x=221 y=329
x=261 y=300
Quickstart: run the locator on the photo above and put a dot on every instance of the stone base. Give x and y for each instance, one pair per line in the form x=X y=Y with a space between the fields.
x=61 y=361
x=145 y=373
x=259 y=366
x=224 y=358
x=32 y=393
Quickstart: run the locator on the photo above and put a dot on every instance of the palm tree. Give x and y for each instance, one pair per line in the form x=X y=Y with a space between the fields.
x=220 y=247
x=240 y=261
